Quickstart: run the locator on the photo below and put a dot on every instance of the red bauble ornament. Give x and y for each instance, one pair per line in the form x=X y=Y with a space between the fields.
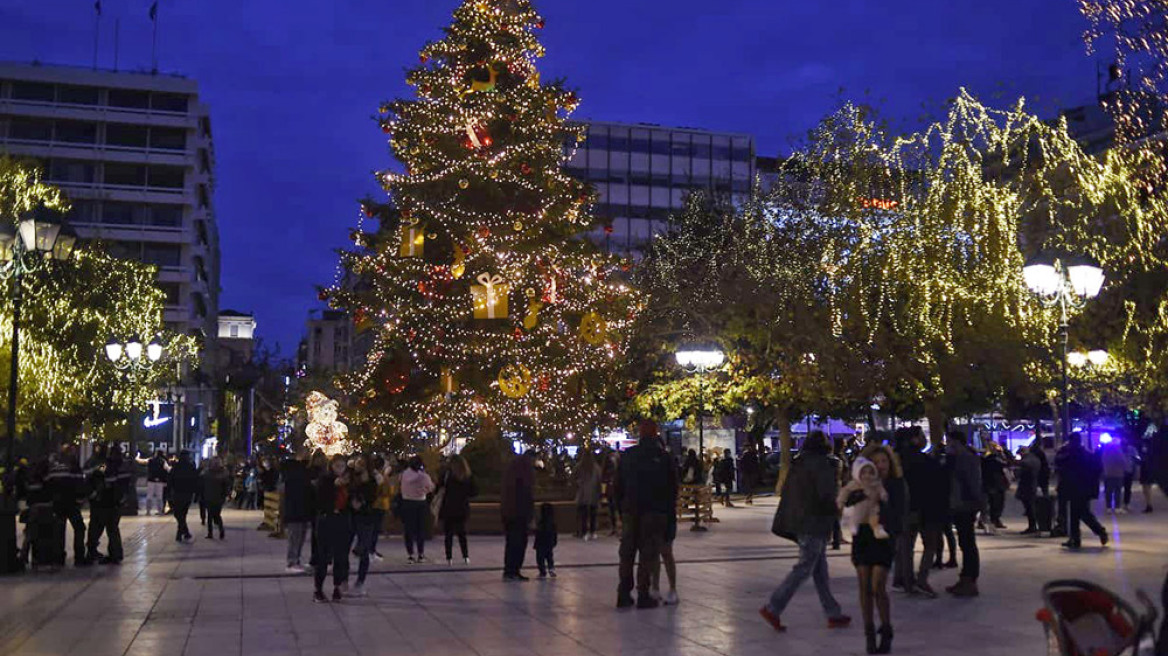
x=518 y=334
x=367 y=210
x=423 y=58
x=608 y=229
x=525 y=168
x=540 y=24
x=323 y=295
x=385 y=128
x=484 y=233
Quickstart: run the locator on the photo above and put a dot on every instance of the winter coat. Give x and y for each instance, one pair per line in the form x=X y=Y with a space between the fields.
x=749 y=467
x=331 y=494
x=927 y=481
x=216 y=487
x=1114 y=461
x=993 y=473
x=1028 y=471
x=808 y=502
x=456 y=498
x=68 y=486
x=109 y=483
x=546 y=538
x=588 y=485
x=184 y=482
x=646 y=481
x=966 y=494
x=297 y=500
x=1078 y=471
x=518 y=504
x=724 y=471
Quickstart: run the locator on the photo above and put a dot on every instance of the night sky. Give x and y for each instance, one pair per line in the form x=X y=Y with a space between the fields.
x=293 y=85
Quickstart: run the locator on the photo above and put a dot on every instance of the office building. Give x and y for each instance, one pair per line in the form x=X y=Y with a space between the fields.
x=133 y=153
x=643 y=173
x=329 y=345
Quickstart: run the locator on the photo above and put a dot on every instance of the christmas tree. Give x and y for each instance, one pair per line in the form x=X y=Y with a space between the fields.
x=489 y=311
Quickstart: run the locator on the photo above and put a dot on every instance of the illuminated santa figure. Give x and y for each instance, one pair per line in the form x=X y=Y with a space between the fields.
x=325 y=433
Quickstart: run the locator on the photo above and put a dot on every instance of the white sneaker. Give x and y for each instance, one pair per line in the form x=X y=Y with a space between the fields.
x=1123 y=511
x=295 y=569
x=671 y=599
x=410 y=560
x=449 y=563
x=592 y=535
x=358 y=591
x=421 y=559
x=655 y=593
x=378 y=557
x=466 y=561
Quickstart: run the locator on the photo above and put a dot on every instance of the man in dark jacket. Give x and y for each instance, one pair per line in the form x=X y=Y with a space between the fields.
x=807 y=513
x=156 y=478
x=108 y=484
x=1079 y=472
x=69 y=491
x=966 y=500
x=646 y=492
x=184 y=482
x=518 y=507
x=297 y=512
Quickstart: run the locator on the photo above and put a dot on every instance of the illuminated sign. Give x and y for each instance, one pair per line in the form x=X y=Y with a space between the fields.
x=152 y=422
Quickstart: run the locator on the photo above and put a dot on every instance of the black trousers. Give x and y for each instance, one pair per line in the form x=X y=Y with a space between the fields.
x=545 y=559
x=180 y=507
x=1080 y=511
x=515 y=546
x=997 y=502
x=587 y=515
x=334 y=537
x=77 y=522
x=906 y=543
x=967 y=539
x=455 y=526
x=107 y=521
x=1128 y=479
x=214 y=518
x=642 y=534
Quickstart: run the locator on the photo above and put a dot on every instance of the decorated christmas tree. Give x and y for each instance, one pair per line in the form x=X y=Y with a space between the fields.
x=488 y=311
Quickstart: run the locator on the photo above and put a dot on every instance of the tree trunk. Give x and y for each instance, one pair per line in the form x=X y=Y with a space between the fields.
x=786 y=441
x=936 y=417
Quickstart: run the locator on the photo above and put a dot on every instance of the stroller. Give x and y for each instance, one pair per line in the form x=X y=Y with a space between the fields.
x=1084 y=619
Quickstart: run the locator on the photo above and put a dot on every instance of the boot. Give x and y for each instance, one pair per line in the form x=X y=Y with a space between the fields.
x=870 y=638
x=965 y=588
x=885 y=646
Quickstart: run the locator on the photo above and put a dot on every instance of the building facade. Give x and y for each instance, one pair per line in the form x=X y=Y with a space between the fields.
x=643 y=173
x=236 y=339
x=329 y=344
x=133 y=153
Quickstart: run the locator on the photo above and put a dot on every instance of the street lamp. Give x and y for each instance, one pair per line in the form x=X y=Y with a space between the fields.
x=128 y=356
x=1066 y=288
x=26 y=246
x=699 y=360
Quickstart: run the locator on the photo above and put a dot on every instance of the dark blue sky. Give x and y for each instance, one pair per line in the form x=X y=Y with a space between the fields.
x=292 y=84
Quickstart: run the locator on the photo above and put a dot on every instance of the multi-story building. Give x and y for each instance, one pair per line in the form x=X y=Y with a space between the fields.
x=236 y=339
x=643 y=173
x=133 y=153
x=329 y=345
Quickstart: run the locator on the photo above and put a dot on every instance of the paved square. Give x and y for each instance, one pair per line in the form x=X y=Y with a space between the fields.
x=233 y=598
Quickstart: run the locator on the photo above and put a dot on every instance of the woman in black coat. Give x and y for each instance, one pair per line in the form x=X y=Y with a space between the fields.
x=873 y=557
x=458 y=488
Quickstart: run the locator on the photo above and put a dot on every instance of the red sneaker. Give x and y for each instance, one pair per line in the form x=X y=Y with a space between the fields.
x=841 y=622
x=772 y=619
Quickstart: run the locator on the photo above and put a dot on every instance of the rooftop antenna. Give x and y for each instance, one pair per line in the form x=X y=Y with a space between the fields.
x=96 y=30
x=154 y=45
x=117 y=43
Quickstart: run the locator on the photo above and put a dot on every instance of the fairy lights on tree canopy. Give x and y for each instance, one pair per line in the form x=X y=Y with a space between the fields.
x=475 y=272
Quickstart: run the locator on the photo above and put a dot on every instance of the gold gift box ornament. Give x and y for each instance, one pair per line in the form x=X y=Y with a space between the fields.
x=490 y=297
x=413 y=240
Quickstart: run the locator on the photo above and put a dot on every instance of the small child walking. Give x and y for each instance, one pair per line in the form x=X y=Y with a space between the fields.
x=546 y=538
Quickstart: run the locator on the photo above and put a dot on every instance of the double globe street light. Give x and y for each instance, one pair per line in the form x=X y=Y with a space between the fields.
x=132 y=357
x=1066 y=288
x=27 y=246
x=699 y=360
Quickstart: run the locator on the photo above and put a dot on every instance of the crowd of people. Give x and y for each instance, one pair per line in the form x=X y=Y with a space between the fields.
x=889 y=496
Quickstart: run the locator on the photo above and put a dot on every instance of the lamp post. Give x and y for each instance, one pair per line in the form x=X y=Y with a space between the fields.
x=25 y=247
x=699 y=360
x=132 y=357
x=1065 y=288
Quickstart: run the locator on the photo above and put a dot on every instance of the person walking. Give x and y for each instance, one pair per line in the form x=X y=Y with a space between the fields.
x=458 y=488
x=668 y=562
x=1114 y=463
x=1079 y=481
x=1131 y=456
x=362 y=495
x=517 y=508
x=156 y=472
x=216 y=488
x=692 y=472
x=807 y=511
x=296 y=511
x=646 y=489
x=928 y=497
x=1027 y=493
x=587 y=477
x=69 y=491
x=334 y=529
x=546 y=538
x=610 y=461
x=995 y=484
x=966 y=500
x=1147 y=474
x=872 y=555
x=724 y=475
x=416 y=485
x=183 y=481
x=749 y=470
x=384 y=501
x=108 y=484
